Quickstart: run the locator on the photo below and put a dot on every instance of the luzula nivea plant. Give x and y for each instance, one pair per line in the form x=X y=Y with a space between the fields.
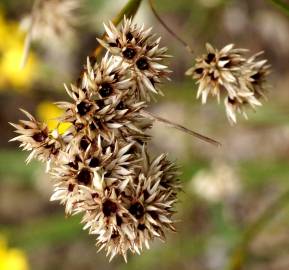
x=101 y=166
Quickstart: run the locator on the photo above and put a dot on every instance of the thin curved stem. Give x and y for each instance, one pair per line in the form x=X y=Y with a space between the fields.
x=162 y=22
x=240 y=253
x=28 y=38
x=129 y=10
x=180 y=127
x=281 y=5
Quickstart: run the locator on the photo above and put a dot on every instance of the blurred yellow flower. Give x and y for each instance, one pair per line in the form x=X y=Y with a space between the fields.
x=48 y=112
x=11 y=259
x=11 y=50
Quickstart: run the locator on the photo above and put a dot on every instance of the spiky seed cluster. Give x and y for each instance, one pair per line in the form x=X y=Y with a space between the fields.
x=229 y=73
x=142 y=55
x=51 y=19
x=36 y=137
x=100 y=165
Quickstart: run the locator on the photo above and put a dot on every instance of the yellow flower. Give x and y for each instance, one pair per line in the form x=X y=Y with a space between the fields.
x=11 y=50
x=11 y=259
x=48 y=112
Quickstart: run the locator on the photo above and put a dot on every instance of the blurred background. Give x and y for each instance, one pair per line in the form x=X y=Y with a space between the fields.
x=225 y=190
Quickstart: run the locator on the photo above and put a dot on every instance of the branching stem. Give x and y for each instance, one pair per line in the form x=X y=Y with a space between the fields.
x=162 y=22
x=180 y=127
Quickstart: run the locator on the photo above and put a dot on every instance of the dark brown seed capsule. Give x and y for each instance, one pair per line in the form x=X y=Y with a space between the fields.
x=84 y=143
x=129 y=53
x=84 y=177
x=142 y=63
x=105 y=90
x=210 y=57
x=94 y=162
x=83 y=108
x=70 y=187
x=199 y=70
x=141 y=227
x=39 y=137
x=109 y=208
x=137 y=210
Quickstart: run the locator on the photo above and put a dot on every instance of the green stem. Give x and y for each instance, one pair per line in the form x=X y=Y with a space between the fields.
x=281 y=5
x=129 y=10
x=240 y=253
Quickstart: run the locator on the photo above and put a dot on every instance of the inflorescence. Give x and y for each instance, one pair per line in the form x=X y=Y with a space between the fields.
x=100 y=165
x=229 y=73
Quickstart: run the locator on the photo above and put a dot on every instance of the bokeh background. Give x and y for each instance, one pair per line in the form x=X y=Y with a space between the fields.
x=226 y=190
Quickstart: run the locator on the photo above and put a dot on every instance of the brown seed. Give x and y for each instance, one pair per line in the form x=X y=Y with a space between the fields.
x=94 y=162
x=83 y=108
x=73 y=165
x=39 y=137
x=210 y=57
x=129 y=36
x=199 y=70
x=70 y=187
x=142 y=63
x=118 y=220
x=105 y=90
x=100 y=103
x=120 y=106
x=137 y=210
x=84 y=143
x=129 y=53
x=114 y=235
x=141 y=227
x=109 y=208
x=84 y=177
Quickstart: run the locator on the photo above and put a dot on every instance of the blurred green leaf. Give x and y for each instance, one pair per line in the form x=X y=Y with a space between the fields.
x=46 y=231
x=14 y=168
x=281 y=5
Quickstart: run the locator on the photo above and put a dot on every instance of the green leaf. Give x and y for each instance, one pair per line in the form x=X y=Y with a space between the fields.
x=281 y=5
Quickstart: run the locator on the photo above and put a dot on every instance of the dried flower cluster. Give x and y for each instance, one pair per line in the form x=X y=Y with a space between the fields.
x=100 y=165
x=51 y=19
x=229 y=73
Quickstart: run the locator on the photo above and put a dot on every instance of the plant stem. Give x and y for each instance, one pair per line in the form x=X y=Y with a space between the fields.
x=184 y=43
x=240 y=253
x=129 y=10
x=281 y=5
x=180 y=127
x=28 y=38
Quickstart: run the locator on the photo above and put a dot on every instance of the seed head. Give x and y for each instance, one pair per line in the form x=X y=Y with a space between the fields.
x=228 y=73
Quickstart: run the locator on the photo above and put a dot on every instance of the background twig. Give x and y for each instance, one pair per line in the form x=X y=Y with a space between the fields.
x=161 y=21
x=28 y=38
x=180 y=127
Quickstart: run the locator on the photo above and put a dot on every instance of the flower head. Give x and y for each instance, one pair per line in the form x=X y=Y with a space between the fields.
x=51 y=19
x=217 y=71
x=35 y=137
x=139 y=52
x=227 y=72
